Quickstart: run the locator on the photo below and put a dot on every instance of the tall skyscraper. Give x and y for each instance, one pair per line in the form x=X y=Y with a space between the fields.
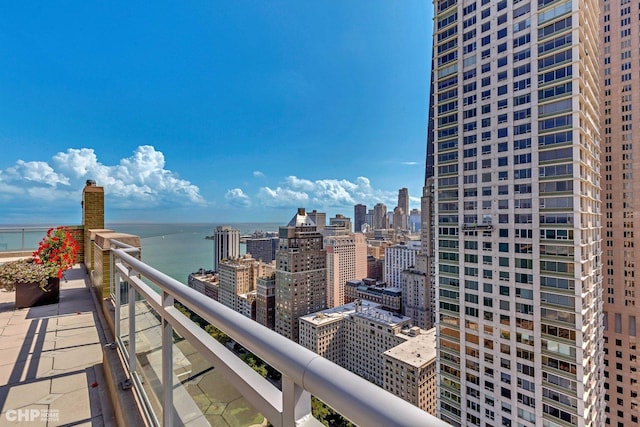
x=620 y=103
x=319 y=218
x=226 y=244
x=359 y=217
x=398 y=258
x=403 y=203
x=380 y=219
x=399 y=219
x=300 y=273
x=346 y=258
x=517 y=212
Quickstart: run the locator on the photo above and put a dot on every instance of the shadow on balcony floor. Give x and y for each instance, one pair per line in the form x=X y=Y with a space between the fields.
x=51 y=365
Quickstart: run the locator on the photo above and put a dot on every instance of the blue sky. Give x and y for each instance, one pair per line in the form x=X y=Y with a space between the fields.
x=211 y=111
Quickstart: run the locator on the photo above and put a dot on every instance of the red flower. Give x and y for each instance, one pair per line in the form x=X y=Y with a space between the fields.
x=58 y=250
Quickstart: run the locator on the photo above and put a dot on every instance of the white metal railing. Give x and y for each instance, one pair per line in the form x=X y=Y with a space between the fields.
x=304 y=373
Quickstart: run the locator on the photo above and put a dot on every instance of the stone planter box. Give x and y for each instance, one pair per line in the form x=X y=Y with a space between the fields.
x=31 y=295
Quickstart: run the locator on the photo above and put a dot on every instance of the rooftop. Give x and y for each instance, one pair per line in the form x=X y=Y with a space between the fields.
x=417 y=351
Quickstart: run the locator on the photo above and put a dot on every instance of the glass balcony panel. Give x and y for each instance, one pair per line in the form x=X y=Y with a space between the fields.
x=202 y=396
x=21 y=239
x=148 y=354
x=124 y=312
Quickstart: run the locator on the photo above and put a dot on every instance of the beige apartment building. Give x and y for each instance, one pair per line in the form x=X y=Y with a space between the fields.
x=346 y=260
x=301 y=273
x=620 y=162
x=238 y=276
x=410 y=371
x=356 y=337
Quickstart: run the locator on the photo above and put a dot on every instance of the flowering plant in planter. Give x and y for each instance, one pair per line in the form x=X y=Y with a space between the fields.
x=24 y=271
x=57 y=251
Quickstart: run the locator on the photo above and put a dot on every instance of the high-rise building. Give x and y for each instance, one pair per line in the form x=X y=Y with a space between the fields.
x=226 y=244
x=415 y=220
x=266 y=301
x=380 y=219
x=237 y=276
x=375 y=267
x=410 y=371
x=300 y=273
x=356 y=335
x=369 y=218
x=403 y=203
x=263 y=248
x=359 y=217
x=399 y=218
x=319 y=219
x=416 y=297
x=619 y=90
x=398 y=258
x=403 y=199
x=346 y=260
x=339 y=224
x=517 y=212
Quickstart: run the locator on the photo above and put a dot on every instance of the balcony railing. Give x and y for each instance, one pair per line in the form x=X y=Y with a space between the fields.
x=21 y=239
x=152 y=335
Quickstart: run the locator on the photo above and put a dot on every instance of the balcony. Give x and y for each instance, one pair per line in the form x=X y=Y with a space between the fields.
x=123 y=353
x=51 y=368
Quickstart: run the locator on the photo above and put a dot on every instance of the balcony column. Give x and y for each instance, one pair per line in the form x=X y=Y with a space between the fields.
x=296 y=403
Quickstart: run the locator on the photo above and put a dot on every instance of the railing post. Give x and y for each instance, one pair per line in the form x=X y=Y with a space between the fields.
x=132 y=328
x=167 y=363
x=117 y=297
x=22 y=245
x=296 y=402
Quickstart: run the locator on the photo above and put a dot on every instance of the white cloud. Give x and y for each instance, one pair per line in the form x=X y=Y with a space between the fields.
x=282 y=197
x=258 y=174
x=36 y=173
x=325 y=193
x=236 y=197
x=141 y=178
x=410 y=163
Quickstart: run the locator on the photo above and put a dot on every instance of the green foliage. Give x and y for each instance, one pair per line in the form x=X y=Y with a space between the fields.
x=217 y=334
x=255 y=363
x=24 y=271
x=326 y=415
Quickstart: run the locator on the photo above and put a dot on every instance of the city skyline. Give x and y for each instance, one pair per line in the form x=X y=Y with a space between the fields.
x=206 y=112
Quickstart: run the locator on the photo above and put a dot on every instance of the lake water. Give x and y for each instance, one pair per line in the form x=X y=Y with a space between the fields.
x=180 y=249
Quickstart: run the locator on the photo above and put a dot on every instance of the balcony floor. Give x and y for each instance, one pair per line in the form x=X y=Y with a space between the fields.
x=51 y=360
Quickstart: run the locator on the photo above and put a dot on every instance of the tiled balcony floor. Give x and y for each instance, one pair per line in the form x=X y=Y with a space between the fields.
x=51 y=360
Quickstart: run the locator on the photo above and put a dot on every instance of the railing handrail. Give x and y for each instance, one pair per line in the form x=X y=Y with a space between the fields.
x=357 y=399
x=22 y=246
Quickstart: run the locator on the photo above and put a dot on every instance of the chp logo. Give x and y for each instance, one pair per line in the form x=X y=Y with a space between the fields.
x=31 y=415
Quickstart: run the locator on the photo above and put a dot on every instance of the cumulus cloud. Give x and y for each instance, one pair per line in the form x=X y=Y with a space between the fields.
x=236 y=197
x=141 y=178
x=258 y=174
x=282 y=197
x=35 y=172
x=324 y=193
